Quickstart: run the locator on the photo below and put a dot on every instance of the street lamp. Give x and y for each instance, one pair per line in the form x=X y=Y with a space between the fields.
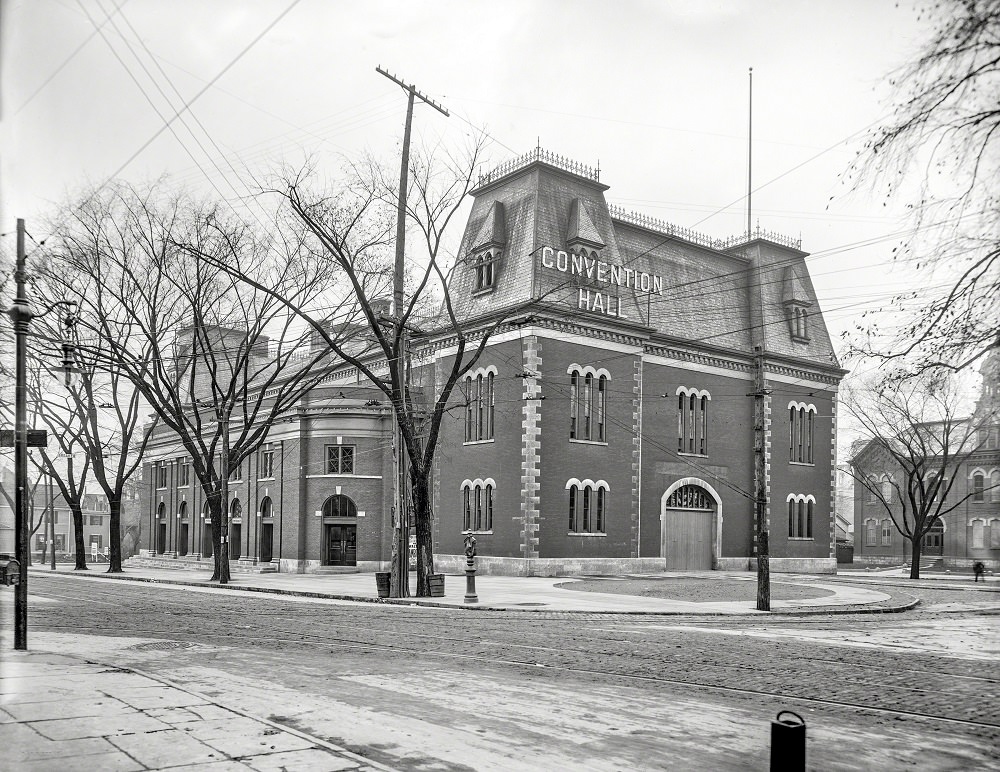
x=21 y=316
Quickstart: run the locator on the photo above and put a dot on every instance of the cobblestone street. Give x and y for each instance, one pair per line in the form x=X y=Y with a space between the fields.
x=438 y=689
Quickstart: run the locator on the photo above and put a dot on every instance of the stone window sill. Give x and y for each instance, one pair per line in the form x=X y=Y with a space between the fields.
x=588 y=442
x=583 y=533
x=479 y=442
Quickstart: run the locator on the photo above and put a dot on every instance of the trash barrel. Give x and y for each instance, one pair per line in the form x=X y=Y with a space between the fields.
x=788 y=743
x=382 y=581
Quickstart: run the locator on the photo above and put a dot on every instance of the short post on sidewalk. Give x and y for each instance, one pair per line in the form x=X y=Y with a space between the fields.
x=470 y=569
x=788 y=743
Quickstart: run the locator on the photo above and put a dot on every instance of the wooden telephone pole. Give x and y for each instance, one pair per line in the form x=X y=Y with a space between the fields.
x=760 y=483
x=399 y=586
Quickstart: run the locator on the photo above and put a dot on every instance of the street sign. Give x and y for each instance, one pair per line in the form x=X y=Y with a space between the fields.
x=36 y=438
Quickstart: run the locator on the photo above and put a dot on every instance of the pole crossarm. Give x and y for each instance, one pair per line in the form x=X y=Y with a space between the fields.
x=413 y=90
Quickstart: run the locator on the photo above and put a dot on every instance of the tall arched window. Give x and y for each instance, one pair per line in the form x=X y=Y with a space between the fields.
x=692 y=421
x=588 y=403
x=801 y=420
x=801 y=514
x=479 y=409
x=477 y=505
x=587 y=506
x=978 y=486
x=266 y=508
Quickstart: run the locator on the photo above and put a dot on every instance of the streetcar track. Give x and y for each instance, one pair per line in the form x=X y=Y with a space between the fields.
x=311 y=640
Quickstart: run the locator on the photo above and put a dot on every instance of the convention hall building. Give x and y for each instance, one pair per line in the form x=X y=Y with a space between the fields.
x=608 y=426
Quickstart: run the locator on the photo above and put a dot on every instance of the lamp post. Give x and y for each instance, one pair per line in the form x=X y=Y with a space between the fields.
x=21 y=316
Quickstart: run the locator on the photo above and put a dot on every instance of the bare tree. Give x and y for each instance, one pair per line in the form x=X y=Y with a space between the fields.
x=917 y=447
x=940 y=153
x=350 y=230
x=216 y=360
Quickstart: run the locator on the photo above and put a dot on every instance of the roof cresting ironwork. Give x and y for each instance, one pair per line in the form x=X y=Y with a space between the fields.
x=540 y=154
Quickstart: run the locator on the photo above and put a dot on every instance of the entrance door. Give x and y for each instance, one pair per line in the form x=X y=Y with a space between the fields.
x=341 y=545
x=206 y=541
x=687 y=540
x=934 y=540
x=235 y=534
x=266 y=542
x=161 y=537
x=183 y=540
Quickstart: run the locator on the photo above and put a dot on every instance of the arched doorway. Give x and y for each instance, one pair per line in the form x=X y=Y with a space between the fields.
x=340 y=532
x=933 y=545
x=161 y=529
x=183 y=530
x=266 y=530
x=690 y=524
x=235 y=529
x=206 y=532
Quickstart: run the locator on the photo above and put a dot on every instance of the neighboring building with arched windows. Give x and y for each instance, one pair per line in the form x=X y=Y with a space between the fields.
x=608 y=425
x=967 y=533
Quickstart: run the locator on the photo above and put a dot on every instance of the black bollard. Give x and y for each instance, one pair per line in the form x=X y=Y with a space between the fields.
x=788 y=743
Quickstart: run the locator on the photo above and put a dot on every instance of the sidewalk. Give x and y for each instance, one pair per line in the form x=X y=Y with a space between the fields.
x=132 y=721
x=508 y=592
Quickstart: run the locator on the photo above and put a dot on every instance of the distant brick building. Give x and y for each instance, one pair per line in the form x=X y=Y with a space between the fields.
x=968 y=533
x=608 y=425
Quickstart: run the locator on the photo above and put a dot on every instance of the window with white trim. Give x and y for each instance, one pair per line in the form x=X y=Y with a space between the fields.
x=692 y=421
x=995 y=533
x=978 y=540
x=588 y=403
x=340 y=459
x=265 y=469
x=801 y=421
x=160 y=472
x=236 y=473
x=479 y=406
x=801 y=511
x=477 y=505
x=871 y=533
x=887 y=528
x=978 y=486
x=183 y=473
x=886 y=488
x=588 y=504
x=485 y=266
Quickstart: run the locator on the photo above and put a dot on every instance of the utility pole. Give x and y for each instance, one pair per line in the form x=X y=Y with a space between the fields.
x=760 y=482
x=52 y=521
x=400 y=581
x=21 y=316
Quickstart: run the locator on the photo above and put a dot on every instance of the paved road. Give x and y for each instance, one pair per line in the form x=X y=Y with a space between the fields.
x=441 y=689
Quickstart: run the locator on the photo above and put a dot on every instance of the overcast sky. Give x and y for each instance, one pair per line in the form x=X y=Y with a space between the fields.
x=656 y=92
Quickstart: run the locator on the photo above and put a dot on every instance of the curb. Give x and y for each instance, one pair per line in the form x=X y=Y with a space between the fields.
x=807 y=611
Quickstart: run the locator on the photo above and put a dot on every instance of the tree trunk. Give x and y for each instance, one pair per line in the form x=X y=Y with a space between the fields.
x=79 y=546
x=424 y=533
x=115 y=535
x=915 y=547
x=220 y=544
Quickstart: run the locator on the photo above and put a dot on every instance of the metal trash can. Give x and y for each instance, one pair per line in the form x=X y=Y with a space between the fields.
x=383 y=582
x=788 y=743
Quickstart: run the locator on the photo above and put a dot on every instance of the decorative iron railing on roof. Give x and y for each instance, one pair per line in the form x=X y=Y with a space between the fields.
x=662 y=226
x=760 y=233
x=540 y=154
x=669 y=229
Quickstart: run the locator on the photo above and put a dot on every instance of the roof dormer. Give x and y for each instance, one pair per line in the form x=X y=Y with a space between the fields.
x=581 y=231
x=796 y=301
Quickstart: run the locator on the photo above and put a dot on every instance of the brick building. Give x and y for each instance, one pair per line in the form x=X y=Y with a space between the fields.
x=608 y=426
x=967 y=533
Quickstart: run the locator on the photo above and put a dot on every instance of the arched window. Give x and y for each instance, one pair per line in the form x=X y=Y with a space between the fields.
x=978 y=540
x=339 y=506
x=887 y=489
x=477 y=505
x=182 y=510
x=801 y=515
x=887 y=528
x=266 y=508
x=587 y=506
x=235 y=509
x=978 y=485
x=588 y=403
x=801 y=420
x=479 y=408
x=692 y=421
x=995 y=485
x=690 y=497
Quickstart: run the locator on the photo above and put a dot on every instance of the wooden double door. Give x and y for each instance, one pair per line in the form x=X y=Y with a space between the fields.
x=686 y=539
x=340 y=545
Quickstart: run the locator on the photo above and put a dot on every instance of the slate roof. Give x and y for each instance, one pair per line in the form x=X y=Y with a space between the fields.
x=730 y=298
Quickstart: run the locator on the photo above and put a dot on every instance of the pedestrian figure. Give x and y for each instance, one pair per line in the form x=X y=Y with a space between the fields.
x=977 y=569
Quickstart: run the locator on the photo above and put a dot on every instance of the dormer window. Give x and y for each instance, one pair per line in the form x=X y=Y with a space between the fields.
x=487 y=250
x=797 y=300
x=485 y=265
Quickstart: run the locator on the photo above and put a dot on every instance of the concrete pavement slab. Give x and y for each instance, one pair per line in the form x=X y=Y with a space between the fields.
x=314 y=760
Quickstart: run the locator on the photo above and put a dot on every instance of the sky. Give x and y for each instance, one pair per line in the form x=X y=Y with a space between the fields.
x=654 y=91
